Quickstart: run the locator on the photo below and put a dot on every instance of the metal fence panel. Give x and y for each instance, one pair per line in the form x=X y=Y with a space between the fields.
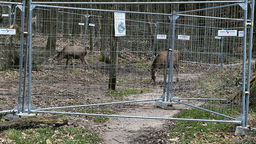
x=211 y=69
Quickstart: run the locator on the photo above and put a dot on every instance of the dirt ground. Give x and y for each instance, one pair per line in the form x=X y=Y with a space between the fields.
x=62 y=87
x=126 y=130
x=129 y=130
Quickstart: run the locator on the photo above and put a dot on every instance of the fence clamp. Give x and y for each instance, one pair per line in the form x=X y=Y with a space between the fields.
x=25 y=33
x=246 y=24
x=246 y=93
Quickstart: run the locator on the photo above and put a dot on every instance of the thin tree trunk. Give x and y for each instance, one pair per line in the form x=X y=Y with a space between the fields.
x=92 y=30
x=104 y=39
x=51 y=42
x=113 y=54
x=46 y=23
x=97 y=29
x=66 y=23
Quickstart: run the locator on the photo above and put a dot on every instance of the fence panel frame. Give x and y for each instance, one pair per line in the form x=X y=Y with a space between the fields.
x=243 y=120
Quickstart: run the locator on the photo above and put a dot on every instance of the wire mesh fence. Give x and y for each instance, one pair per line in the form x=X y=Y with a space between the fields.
x=77 y=61
x=9 y=57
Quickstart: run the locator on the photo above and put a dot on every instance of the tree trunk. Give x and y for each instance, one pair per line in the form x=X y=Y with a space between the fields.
x=150 y=27
x=113 y=55
x=113 y=66
x=104 y=39
x=97 y=30
x=253 y=93
x=34 y=121
x=66 y=23
x=92 y=34
x=75 y=22
x=254 y=36
x=92 y=30
x=51 y=42
x=46 y=23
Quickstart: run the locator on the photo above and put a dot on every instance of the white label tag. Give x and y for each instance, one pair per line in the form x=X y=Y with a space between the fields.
x=227 y=32
x=5 y=15
x=7 y=31
x=241 y=34
x=160 y=36
x=91 y=24
x=120 y=29
x=216 y=37
x=80 y=23
x=183 y=37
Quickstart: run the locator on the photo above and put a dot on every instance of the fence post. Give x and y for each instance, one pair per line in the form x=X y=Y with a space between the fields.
x=10 y=14
x=26 y=63
x=154 y=43
x=244 y=64
x=221 y=51
x=21 y=54
x=167 y=57
x=249 y=62
x=14 y=16
x=85 y=29
x=170 y=76
x=29 y=27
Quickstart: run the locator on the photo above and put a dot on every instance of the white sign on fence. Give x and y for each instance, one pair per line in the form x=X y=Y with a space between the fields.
x=5 y=15
x=216 y=37
x=91 y=24
x=160 y=36
x=240 y=33
x=227 y=32
x=120 y=24
x=80 y=23
x=7 y=31
x=183 y=37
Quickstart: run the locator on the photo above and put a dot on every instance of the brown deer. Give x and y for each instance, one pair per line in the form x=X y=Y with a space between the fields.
x=76 y=52
x=18 y=29
x=160 y=61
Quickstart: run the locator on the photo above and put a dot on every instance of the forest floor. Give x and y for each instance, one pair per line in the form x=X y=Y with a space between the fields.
x=55 y=86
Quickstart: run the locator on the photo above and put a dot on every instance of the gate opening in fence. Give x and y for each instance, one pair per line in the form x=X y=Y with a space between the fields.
x=78 y=58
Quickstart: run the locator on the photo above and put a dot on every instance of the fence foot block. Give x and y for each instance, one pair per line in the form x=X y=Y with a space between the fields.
x=241 y=130
x=15 y=116
x=165 y=105
x=244 y=131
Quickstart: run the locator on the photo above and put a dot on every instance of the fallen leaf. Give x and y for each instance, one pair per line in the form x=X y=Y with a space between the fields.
x=48 y=141
x=53 y=136
x=174 y=139
x=23 y=135
x=56 y=132
x=195 y=135
x=204 y=124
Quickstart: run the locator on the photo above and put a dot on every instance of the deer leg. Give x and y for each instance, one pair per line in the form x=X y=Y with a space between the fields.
x=73 y=62
x=177 y=74
x=67 y=62
x=85 y=61
x=82 y=60
x=177 y=70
